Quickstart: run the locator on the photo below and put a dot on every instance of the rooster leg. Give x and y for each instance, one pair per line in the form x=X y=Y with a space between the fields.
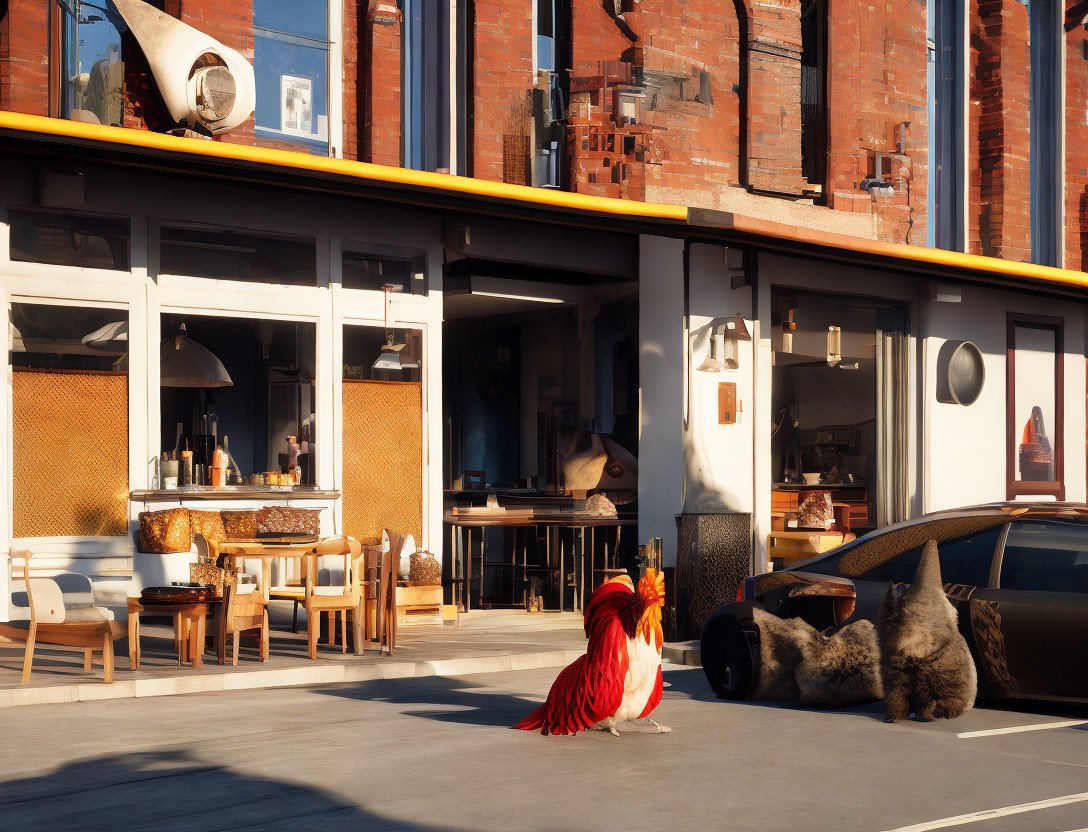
x=607 y=725
x=660 y=729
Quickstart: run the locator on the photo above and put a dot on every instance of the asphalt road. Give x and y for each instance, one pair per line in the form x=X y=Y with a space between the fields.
x=436 y=753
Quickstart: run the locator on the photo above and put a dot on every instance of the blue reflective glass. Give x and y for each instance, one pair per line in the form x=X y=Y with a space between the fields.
x=308 y=19
x=91 y=45
x=292 y=90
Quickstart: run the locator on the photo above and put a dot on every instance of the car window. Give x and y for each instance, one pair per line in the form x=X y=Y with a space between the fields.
x=900 y=548
x=1046 y=556
x=964 y=560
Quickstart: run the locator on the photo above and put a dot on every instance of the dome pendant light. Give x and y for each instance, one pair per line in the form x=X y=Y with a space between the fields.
x=185 y=363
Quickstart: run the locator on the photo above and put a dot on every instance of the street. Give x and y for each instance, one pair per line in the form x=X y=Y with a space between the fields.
x=436 y=753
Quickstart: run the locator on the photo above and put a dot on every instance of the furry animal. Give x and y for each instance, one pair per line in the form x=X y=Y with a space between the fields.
x=782 y=642
x=926 y=665
x=619 y=677
x=819 y=670
x=840 y=669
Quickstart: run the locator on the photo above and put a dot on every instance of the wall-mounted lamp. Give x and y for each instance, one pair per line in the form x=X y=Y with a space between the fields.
x=730 y=331
x=834 y=346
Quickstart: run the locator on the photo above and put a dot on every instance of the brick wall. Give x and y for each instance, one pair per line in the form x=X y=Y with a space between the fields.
x=382 y=103
x=24 y=56
x=999 y=196
x=502 y=81
x=1076 y=147
x=653 y=108
x=880 y=87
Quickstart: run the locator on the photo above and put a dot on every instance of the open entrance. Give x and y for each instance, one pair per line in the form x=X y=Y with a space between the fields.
x=839 y=433
x=540 y=389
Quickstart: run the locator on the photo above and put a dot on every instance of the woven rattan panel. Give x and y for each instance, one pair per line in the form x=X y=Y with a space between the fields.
x=713 y=555
x=383 y=458
x=70 y=434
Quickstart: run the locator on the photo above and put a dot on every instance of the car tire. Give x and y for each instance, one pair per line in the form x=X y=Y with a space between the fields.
x=727 y=658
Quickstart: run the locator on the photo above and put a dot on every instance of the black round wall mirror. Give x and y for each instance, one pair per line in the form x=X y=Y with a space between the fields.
x=960 y=373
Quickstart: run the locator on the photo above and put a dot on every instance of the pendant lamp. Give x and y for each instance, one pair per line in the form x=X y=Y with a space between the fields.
x=185 y=363
x=110 y=338
x=389 y=358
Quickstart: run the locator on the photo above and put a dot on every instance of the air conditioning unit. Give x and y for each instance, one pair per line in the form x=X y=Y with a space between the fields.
x=203 y=83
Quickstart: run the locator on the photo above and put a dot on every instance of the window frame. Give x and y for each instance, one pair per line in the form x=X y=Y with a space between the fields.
x=1016 y=488
x=333 y=69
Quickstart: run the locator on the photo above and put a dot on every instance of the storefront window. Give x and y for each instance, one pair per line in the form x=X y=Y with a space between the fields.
x=1035 y=403
x=370 y=271
x=92 y=74
x=69 y=239
x=291 y=65
x=377 y=354
x=238 y=254
x=69 y=389
x=244 y=387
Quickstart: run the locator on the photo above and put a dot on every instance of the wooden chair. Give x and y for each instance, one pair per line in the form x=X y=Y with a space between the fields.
x=385 y=583
x=63 y=613
x=334 y=586
x=244 y=607
x=293 y=587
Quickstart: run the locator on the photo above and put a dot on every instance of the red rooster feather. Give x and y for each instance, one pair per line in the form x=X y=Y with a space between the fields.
x=619 y=677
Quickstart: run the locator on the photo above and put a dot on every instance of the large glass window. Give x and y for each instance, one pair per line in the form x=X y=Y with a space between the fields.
x=92 y=78
x=1046 y=556
x=69 y=393
x=291 y=64
x=426 y=88
x=245 y=386
x=238 y=254
x=69 y=239
x=372 y=271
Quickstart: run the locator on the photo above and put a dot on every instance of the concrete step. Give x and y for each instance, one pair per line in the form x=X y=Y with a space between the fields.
x=489 y=619
x=682 y=652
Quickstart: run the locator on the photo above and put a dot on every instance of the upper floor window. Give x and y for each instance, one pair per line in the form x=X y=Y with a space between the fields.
x=291 y=65
x=92 y=83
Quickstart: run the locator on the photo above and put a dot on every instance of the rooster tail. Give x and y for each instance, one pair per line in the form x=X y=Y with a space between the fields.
x=534 y=721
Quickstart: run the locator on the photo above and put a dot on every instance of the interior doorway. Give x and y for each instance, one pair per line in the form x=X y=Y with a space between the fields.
x=839 y=450
x=540 y=388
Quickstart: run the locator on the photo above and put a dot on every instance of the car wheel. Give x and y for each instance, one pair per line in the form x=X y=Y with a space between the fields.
x=727 y=659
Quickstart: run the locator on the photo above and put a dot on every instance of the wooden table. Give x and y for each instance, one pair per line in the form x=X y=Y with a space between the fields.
x=463 y=524
x=795 y=544
x=265 y=551
x=189 y=629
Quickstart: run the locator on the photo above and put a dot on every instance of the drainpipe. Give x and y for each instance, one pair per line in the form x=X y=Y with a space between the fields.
x=742 y=91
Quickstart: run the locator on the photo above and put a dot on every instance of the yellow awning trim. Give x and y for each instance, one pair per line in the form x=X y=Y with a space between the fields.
x=341 y=167
x=539 y=196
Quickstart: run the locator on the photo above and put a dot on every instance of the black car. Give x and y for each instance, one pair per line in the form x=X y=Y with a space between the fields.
x=1017 y=574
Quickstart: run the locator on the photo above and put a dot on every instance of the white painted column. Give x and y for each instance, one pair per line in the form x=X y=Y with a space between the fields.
x=661 y=390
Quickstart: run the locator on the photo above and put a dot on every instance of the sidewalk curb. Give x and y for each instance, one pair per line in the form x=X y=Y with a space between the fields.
x=682 y=652
x=321 y=674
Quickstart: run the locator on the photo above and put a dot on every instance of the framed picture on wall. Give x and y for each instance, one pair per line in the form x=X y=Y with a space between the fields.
x=1035 y=407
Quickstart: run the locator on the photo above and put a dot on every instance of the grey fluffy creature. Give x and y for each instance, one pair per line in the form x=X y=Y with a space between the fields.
x=926 y=665
x=841 y=669
x=797 y=663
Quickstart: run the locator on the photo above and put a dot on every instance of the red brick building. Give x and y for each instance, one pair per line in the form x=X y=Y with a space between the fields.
x=818 y=113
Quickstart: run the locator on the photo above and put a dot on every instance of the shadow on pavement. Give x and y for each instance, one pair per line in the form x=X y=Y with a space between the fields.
x=470 y=704
x=172 y=790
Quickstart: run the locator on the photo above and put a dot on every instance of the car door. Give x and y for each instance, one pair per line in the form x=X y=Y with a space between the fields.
x=1031 y=625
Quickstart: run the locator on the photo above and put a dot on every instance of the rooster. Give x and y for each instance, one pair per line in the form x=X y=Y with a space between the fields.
x=619 y=677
